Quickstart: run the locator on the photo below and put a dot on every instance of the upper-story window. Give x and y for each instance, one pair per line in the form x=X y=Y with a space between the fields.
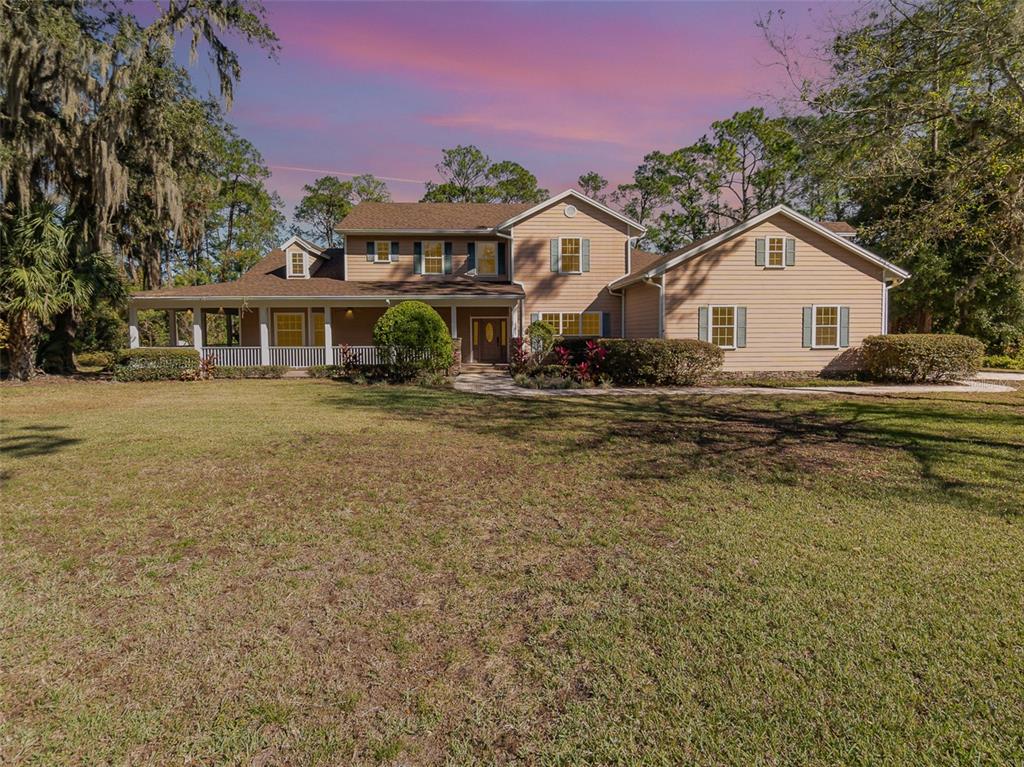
x=570 y=249
x=776 y=252
x=433 y=257
x=487 y=258
x=296 y=263
x=382 y=252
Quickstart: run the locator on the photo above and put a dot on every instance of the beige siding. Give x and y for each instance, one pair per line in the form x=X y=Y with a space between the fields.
x=250 y=328
x=358 y=268
x=641 y=302
x=548 y=291
x=824 y=273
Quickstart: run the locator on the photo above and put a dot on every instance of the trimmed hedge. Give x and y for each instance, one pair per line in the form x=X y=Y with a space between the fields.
x=922 y=357
x=660 y=361
x=249 y=371
x=325 y=371
x=157 y=364
x=1005 y=361
x=414 y=339
x=101 y=360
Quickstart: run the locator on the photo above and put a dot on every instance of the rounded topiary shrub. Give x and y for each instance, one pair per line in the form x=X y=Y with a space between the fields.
x=413 y=339
x=922 y=357
x=660 y=361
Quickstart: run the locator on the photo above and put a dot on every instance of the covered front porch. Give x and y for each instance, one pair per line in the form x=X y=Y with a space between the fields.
x=301 y=333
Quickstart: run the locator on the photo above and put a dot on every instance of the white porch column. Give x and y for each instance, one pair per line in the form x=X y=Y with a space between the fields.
x=455 y=322
x=264 y=336
x=516 y=332
x=197 y=327
x=172 y=327
x=133 y=327
x=328 y=337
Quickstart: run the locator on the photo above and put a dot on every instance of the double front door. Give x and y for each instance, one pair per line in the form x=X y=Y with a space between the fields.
x=490 y=339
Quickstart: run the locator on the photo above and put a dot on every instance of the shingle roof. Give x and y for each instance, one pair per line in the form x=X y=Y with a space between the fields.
x=425 y=216
x=837 y=227
x=267 y=278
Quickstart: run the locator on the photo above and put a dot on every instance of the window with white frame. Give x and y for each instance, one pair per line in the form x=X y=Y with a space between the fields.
x=433 y=258
x=570 y=249
x=776 y=247
x=826 y=326
x=573 y=323
x=296 y=263
x=723 y=326
x=288 y=329
x=487 y=258
x=382 y=251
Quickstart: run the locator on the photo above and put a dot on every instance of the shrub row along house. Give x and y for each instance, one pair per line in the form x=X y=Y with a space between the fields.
x=777 y=292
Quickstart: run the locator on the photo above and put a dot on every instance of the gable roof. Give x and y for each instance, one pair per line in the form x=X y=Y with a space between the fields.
x=428 y=216
x=579 y=196
x=302 y=243
x=838 y=227
x=676 y=257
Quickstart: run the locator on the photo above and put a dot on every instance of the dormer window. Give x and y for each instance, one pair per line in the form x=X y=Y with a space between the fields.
x=297 y=264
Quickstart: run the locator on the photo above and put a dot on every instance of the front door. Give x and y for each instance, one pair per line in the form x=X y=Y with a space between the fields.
x=489 y=339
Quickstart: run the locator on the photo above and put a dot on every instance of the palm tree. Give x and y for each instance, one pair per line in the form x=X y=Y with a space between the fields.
x=36 y=282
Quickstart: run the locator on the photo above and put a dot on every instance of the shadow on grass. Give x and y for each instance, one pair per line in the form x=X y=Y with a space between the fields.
x=29 y=441
x=969 y=455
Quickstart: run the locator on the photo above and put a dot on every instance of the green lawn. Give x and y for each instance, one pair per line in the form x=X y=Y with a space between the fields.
x=305 y=572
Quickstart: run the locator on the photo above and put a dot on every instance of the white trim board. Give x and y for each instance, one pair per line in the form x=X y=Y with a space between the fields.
x=579 y=196
x=734 y=231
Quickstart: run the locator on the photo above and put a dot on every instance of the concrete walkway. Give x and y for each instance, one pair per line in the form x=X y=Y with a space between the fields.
x=501 y=385
x=1000 y=375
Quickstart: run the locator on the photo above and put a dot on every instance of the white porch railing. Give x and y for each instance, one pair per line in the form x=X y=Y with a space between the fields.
x=361 y=355
x=233 y=355
x=297 y=356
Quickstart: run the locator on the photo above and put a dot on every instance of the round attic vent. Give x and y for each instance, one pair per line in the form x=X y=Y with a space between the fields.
x=570 y=211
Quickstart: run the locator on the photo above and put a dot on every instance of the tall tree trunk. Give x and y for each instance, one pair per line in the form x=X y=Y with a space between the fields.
x=65 y=328
x=22 y=344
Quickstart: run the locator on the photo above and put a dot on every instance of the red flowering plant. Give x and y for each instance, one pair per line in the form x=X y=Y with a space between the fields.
x=521 y=355
x=563 y=359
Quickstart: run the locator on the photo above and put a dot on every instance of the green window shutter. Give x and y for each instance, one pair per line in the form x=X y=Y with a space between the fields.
x=759 y=251
x=371 y=250
x=790 y=251
x=471 y=256
x=606 y=324
x=394 y=251
x=447 y=258
x=741 y=327
x=808 y=341
x=417 y=257
x=502 y=265
x=585 y=255
x=702 y=324
x=554 y=254
x=844 y=325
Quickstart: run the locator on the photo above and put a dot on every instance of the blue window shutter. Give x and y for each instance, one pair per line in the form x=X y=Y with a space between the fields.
x=585 y=257
x=502 y=267
x=471 y=256
x=554 y=254
x=741 y=327
x=759 y=251
x=844 y=325
x=702 y=323
x=790 y=251
x=394 y=251
x=371 y=250
x=606 y=324
x=808 y=341
x=447 y=258
x=417 y=257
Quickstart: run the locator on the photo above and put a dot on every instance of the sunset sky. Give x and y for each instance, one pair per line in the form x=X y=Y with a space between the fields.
x=562 y=88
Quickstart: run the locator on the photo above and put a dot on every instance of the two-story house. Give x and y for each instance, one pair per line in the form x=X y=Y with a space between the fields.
x=778 y=292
